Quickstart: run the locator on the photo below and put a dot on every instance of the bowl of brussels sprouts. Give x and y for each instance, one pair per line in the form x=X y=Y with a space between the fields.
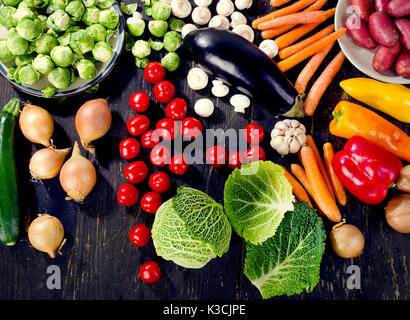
x=59 y=48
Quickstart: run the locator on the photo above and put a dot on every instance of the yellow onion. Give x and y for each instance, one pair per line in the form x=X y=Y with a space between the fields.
x=77 y=176
x=93 y=120
x=46 y=163
x=346 y=240
x=46 y=234
x=37 y=125
x=398 y=213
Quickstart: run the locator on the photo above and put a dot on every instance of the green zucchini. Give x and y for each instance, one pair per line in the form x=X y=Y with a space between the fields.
x=9 y=204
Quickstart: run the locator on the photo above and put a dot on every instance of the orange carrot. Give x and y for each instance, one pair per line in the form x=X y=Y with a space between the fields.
x=338 y=187
x=278 y=3
x=310 y=50
x=320 y=85
x=287 y=39
x=294 y=18
x=288 y=51
x=297 y=6
x=300 y=174
x=318 y=185
x=311 y=143
x=274 y=32
x=309 y=70
x=297 y=188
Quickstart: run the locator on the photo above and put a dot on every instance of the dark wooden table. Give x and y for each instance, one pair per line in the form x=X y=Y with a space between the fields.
x=98 y=260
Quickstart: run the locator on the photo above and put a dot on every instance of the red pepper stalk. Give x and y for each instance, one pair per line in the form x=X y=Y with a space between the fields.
x=366 y=170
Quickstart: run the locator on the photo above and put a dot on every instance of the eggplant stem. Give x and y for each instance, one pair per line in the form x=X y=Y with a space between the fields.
x=297 y=109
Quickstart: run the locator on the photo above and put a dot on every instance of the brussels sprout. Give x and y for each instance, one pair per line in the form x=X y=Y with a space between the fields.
x=109 y=18
x=62 y=56
x=141 y=63
x=141 y=49
x=34 y=3
x=24 y=59
x=57 y=4
x=43 y=21
x=81 y=42
x=6 y=17
x=58 y=21
x=5 y=53
x=176 y=24
x=89 y=3
x=129 y=41
x=27 y=75
x=60 y=78
x=172 y=41
x=155 y=45
x=23 y=12
x=104 y=4
x=161 y=11
x=148 y=11
x=64 y=40
x=97 y=32
x=102 y=51
x=135 y=26
x=16 y=44
x=12 y=3
x=43 y=64
x=171 y=61
x=75 y=10
x=45 y=44
x=29 y=28
x=86 y=69
x=49 y=91
x=157 y=28
x=11 y=72
x=91 y=16
x=129 y=9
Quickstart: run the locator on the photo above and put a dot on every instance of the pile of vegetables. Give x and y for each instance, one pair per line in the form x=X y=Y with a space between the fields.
x=59 y=40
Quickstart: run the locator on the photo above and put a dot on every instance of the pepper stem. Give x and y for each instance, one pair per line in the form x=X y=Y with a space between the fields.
x=297 y=109
x=392 y=186
x=337 y=115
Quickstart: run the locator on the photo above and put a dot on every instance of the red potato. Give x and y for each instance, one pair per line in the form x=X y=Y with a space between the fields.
x=403 y=27
x=402 y=66
x=382 y=29
x=381 y=5
x=359 y=32
x=385 y=56
x=398 y=8
x=363 y=8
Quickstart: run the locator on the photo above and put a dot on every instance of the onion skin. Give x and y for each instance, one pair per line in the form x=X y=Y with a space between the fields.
x=93 y=120
x=403 y=181
x=37 y=125
x=77 y=176
x=398 y=213
x=346 y=240
x=46 y=163
x=46 y=234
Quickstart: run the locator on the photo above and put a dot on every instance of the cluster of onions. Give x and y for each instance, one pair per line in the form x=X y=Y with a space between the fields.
x=346 y=240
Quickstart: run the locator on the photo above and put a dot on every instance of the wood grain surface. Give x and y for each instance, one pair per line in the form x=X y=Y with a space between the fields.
x=98 y=260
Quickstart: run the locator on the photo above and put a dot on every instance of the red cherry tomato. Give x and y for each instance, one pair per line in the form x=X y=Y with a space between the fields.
x=151 y=201
x=140 y=235
x=176 y=109
x=191 y=128
x=138 y=124
x=154 y=72
x=150 y=139
x=136 y=172
x=178 y=164
x=235 y=160
x=164 y=91
x=150 y=272
x=166 y=129
x=216 y=156
x=127 y=195
x=254 y=133
x=160 y=156
x=159 y=182
x=139 y=101
x=129 y=148
x=254 y=153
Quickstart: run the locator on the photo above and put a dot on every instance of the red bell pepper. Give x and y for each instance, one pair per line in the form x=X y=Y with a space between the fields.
x=366 y=170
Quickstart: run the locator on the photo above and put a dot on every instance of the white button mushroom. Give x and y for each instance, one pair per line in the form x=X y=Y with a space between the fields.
x=197 y=79
x=220 y=22
x=237 y=18
x=243 y=4
x=245 y=31
x=269 y=47
x=204 y=107
x=201 y=15
x=187 y=28
x=219 y=89
x=240 y=102
x=203 y=3
x=181 y=8
x=288 y=136
x=225 y=7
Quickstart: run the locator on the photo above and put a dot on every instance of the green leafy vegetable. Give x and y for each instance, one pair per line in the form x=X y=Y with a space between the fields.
x=256 y=199
x=129 y=9
x=289 y=262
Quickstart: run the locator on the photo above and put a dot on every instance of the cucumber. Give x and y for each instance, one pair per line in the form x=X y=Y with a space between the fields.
x=9 y=204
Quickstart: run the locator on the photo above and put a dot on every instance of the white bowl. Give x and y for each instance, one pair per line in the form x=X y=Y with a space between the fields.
x=361 y=57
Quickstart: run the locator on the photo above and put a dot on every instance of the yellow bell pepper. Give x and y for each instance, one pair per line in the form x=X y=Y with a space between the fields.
x=392 y=99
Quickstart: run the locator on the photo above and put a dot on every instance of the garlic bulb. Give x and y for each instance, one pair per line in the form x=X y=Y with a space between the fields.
x=204 y=107
x=240 y=102
x=187 y=28
x=220 y=22
x=237 y=18
x=201 y=15
x=225 y=7
x=288 y=136
x=243 y=4
x=244 y=31
x=197 y=79
x=181 y=8
x=270 y=47
x=219 y=89
x=203 y=3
